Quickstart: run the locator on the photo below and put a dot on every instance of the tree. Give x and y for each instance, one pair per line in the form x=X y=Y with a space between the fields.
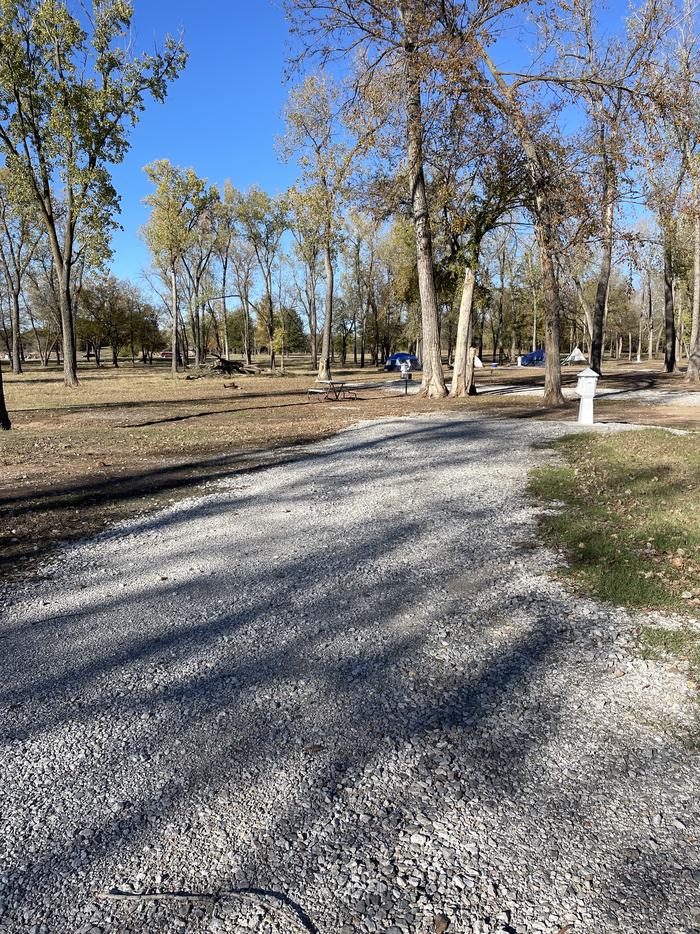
x=606 y=76
x=433 y=384
x=5 y=423
x=19 y=237
x=106 y=306
x=43 y=305
x=264 y=219
x=176 y=205
x=226 y=231
x=306 y=230
x=197 y=257
x=673 y=89
x=474 y=193
x=68 y=95
x=539 y=158
x=363 y=232
x=329 y=139
x=385 y=35
x=243 y=259
x=665 y=167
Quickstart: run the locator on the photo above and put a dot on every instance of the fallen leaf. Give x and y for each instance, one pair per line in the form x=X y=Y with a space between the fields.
x=442 y=922
x=314 y=747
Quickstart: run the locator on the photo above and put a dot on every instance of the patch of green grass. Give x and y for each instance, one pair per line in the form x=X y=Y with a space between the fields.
x=682 y=644
x=628 y=516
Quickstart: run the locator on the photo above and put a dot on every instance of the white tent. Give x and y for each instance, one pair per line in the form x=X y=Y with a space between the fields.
x=576 y=356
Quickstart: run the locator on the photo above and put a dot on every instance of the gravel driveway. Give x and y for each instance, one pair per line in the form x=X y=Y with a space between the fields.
x=347 y=691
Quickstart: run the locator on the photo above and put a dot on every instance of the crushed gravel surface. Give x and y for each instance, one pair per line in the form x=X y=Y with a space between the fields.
x=344 y=694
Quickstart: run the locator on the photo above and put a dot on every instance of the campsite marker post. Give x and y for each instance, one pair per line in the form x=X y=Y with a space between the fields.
x=585 y=388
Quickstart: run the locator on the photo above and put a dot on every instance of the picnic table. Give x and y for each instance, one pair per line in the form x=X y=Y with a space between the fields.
x=333 y=390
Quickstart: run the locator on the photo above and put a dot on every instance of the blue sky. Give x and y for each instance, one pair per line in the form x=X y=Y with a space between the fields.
x=222 y=115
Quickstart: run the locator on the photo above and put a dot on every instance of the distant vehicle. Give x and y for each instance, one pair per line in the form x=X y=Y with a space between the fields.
x=393 y=363
x=166 y=355
x=536 y=358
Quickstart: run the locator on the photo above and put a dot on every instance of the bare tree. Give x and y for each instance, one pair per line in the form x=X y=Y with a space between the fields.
x=20 y=234
x=389 y=37
x=264 y=219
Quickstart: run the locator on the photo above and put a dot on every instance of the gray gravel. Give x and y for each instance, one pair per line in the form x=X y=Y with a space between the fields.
x=348 y=691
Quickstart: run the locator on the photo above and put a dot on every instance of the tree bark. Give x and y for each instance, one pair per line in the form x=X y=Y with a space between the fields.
x=5 y=423
x=669 y=309
x=433 y=383
x=552 y=315
x=173 y=299
x=313 y=321
x=694 y=346
x=62 y=266
x=246 y=332
x=601 y=295
x=70 y=360
x=460 y=384
x=14 y=327
x=324 y=365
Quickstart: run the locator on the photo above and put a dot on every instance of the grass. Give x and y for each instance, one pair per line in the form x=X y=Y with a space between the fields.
x=630 y=516
x=682 y=644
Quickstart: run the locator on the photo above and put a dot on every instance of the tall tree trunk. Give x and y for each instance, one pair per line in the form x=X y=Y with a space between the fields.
x=694 y=346
x=246 y=331
x=460 y=384
x=173 y=300
x=224 y=310
x=62 y=257
x=70 y=360
x=544 y=232
x=552 y=316
x=601 y=295
x=433 y=383
x=14 y=326
x=639 y=337
x=669 y=310
x=313 y=323
x=363 y=338
x=5 y=423
x=271 y=330
x=324 y=365
x=282 y=344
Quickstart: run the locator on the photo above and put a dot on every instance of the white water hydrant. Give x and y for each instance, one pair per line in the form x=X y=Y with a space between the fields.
x=585 y=388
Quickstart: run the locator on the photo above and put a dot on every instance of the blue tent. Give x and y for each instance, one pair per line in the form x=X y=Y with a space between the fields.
x=536 y=358
x=396 y=359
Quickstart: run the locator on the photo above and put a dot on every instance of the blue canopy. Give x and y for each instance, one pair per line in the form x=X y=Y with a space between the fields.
x=532 y=359
x=395 y=361
x=401 y=355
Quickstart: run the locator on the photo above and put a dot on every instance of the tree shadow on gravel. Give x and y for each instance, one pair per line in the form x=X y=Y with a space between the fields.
x=321 y=711
x=76 y=499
